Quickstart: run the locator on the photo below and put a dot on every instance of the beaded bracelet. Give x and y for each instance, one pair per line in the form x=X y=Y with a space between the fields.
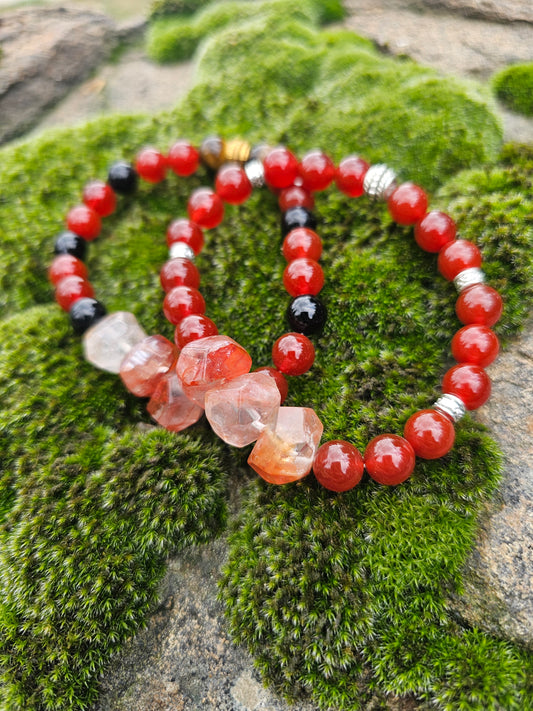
x=205 y=370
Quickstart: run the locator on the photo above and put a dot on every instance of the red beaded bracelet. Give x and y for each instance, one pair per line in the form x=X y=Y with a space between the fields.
x=203 y=369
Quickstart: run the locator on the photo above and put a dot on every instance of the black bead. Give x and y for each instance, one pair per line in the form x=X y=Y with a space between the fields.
x=123 y=178
x=84 y=313
x=68 y=242
x=306 y=314
x=297 y=217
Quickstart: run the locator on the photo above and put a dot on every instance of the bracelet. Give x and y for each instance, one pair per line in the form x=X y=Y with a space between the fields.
x=204 y=370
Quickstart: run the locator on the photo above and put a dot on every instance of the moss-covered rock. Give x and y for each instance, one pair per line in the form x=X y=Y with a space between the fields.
x=93 y=498
x=514 y=87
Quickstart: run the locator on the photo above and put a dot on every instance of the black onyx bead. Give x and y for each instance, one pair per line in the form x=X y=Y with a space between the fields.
x=68 y=242
x=84 y=313
x=306 y=314
x=297 y=217
x=123 y=178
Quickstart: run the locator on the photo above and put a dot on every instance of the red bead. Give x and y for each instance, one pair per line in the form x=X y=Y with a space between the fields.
x=303 y=276
x=293 y=354
x=469 y=383
x=338 y=465
x=100 y=197
x=70 y=289
x=183 y=158
x=457 y=256
x=317 y=171
x=281 y=382
x=430 y=433
x=179 y=272
x=475 y=344
x=407 y=204
x=435 y=230
x=66 y=265
x=295 y=196
x=281 y=168
x=184 y=230
x=205 y=208
x=86 y=223
x=193 y=327
x=350 y=175
x=182 y=301
x=389 y=459
x=232 y=184
x=151 y=165
x=302 y=242
x=479 y=303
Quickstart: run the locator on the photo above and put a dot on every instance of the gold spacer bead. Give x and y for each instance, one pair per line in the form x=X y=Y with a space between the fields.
x=237 y=150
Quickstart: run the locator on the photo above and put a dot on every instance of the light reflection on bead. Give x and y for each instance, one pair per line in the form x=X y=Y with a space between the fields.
x=255 y=173
x=379 y=182
x=180 y=250
x=469 y=277
x=451 y=406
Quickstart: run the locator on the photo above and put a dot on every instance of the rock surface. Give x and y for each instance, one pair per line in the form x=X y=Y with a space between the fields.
x=44 y=53
x=495 y=10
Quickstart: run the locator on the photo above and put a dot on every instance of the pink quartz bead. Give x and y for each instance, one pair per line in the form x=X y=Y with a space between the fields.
x=239 y=410
x=146 y=362
x=169 y=405
x=285 y=453
x=210 y=362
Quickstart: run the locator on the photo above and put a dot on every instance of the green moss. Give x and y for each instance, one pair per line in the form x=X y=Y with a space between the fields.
x=330 y=592
x=164 y=8
x=514 y=87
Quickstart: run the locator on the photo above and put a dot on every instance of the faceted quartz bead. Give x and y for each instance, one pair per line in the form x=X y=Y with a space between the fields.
x=338 y=465
x=285 y=453
x=107 y=342
x=239 y=410
x=210 y=362
x=279 y=379
x=170 y=407
x=145 y=363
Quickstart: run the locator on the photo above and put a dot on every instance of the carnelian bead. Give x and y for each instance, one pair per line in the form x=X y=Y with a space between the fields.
x=183 y=158
x=479 y=303
x=184 y=230
x=303 y=276
x=179 y=272
x=182 y=301
x=66 y=265
x=151 y=165
x=70 y=289
x=430 y=433
x=295 y=196
x=476 y=344
x=389 y=459
x=281 y=382
x=350 y=175
x=232 y=184
x=193 y=327
x=293 y=354
x=100 y=197
x=84 y=222
x=281 y=168
x=205 y=208
x=457 y=256
x=407 y=204
x=469 y=383
x=302 y=242
x=434 y=230
x=317 y=171
x=338 y=465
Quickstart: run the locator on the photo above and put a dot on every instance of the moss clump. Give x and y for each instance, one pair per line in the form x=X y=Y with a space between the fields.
x=164 y=8
x=514 y=87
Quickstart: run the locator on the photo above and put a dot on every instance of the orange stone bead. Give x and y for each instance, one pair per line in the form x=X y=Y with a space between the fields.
x=146 y=362
x=169 y=405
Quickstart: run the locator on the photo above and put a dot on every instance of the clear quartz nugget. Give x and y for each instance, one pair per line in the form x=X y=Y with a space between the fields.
x=107 y=342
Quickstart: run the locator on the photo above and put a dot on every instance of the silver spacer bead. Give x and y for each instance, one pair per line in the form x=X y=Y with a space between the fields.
x=255 y=173
x=379 y=182
x=181 y=249
x=450 y=405
x=469 y=277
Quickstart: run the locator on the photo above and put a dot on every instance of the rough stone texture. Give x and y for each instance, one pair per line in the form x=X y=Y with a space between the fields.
x=495 y=10
x=44 y=53
x=498 y=578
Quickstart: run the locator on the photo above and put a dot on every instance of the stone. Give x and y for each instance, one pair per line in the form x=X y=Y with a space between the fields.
x=239 y=410
x=106 y=344
x=146 y=362
x=210 y=362
x=285 y=453
x=170 y=407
